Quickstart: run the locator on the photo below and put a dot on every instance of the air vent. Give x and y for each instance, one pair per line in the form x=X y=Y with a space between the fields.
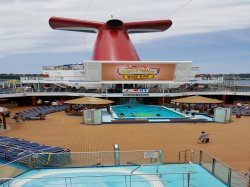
x=114 y=23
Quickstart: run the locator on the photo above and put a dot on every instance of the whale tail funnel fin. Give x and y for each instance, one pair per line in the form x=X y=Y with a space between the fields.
x=69 y=24
x=112 y=42
x=148 y=26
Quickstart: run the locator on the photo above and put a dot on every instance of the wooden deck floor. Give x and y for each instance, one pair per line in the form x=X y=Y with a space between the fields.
x=229 y=142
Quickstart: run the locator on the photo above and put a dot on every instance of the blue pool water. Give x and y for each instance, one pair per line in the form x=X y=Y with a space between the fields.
x=145 y=111
x=144 y=176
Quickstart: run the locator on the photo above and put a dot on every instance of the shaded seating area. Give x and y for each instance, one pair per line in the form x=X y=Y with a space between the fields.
x=200 y=101
x=78 y=105
x=77 y=109
x=40 y=112
x=14 y=148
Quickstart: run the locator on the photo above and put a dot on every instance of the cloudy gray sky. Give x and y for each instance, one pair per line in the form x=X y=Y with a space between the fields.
x=213 y=34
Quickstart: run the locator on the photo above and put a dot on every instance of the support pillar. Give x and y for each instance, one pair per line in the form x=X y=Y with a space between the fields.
x=117 y=154
x=108 y=108
x=224 y=98
x=33 y=100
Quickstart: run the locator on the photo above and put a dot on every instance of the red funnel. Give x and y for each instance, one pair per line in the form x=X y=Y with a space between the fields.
x=113 y=42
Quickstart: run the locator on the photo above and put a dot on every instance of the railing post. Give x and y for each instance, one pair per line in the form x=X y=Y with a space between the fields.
x=192 y=156
x=161 y=157
x=188 y=180
x=229 y=180
x=125 y=180
x=213 y=165
x=30 y=162
x=201 y=155
x=130 y=182
x=179 y=156
x=66 y=182
x=117 y=154
x=70 y=181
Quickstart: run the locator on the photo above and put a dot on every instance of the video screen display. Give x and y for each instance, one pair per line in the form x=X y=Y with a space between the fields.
x=141 y=72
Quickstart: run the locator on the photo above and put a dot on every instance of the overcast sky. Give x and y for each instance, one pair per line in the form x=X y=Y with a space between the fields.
x=214 y=34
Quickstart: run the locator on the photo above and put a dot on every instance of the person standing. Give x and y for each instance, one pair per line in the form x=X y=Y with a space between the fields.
x=18 y=118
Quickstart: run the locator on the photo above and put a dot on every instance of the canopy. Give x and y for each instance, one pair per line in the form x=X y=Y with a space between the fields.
x=197 y=100
x=89 y=101
x=3 y=109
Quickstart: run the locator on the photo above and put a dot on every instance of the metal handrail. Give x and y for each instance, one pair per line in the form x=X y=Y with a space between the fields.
x=185 y=154
x=108 y=152
x=126 y=181
x=108 y=175
x=132 y=172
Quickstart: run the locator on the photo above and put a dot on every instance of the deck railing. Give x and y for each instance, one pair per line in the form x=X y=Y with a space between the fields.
x=103 y=158
x=182 y=179
x=14 y=168
x=226 y=174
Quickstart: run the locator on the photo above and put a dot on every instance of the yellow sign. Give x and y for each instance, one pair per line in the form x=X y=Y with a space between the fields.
x=138 y=76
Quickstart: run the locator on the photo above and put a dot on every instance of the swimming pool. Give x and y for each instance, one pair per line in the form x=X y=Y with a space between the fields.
x=144 y=111
x=171 y=175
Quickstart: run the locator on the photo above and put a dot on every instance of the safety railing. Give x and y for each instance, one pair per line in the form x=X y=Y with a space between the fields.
x=223 y=172
x=104 y=158
x=102 y=89
x=153 y=158
x=181 y=179
x=186 y=156
x=13 y=168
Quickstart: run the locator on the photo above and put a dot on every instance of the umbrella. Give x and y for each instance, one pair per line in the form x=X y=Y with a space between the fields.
x=89 y=101
x=197 y=100
x=2 y=111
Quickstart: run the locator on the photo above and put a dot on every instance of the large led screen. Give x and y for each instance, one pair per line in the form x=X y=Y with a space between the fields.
x=132 y=72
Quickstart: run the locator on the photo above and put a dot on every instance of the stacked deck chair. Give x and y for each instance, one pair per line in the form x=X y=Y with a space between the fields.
x=32 y=114
x=243 y=110
x=32 y=154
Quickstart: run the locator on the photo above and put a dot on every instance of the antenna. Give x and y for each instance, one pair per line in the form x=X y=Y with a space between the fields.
x=178 y=9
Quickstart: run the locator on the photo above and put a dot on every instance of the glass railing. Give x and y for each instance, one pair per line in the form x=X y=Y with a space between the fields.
x=152 y=158
x=104 y=158
x=14 y=168
x=223 y=172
